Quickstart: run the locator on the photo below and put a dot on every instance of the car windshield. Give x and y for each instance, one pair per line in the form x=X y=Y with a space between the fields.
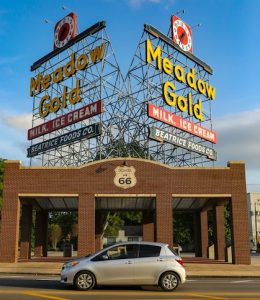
x=88 y=255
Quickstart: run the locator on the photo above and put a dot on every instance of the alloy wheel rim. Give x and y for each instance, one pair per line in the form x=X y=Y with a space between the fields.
x=169 y=281
x=85 y=281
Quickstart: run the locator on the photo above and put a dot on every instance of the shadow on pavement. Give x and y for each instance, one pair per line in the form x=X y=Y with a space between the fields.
x=41 y=283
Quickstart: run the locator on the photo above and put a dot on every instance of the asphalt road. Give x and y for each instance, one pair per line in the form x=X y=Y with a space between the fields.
x=14 y=287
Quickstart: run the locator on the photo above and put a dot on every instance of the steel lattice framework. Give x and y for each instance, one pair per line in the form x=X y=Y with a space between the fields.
x=124 y=120
x=144 y=82
x=100 y=80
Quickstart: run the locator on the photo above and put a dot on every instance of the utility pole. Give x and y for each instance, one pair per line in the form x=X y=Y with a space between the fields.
x=256 y=227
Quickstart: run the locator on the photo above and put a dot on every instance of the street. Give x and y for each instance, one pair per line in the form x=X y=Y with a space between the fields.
x=29 y=287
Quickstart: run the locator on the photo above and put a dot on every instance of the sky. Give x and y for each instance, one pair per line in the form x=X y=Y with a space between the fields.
x=228 y=41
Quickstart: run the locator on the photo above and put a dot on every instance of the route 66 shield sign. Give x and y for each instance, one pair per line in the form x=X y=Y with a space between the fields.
x=125 y=177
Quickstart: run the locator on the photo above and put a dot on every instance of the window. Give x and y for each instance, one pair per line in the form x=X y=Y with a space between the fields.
x=133 y=239
x=123 y=252
x=149 y=251
x=173 y=251
x=111 y=240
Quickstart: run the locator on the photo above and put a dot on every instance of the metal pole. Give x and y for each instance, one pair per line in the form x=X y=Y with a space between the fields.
x=256 y=234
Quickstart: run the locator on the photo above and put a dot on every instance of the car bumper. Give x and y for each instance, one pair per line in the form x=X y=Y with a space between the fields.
x=66 y=276
x=183 y=275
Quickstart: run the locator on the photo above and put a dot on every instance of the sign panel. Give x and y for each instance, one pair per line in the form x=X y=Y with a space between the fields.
x=164 y=136
x=45 y=83
x=65 y=30
x=125 y=177
x=167 y=117
x=75 y=116
x=181 y=34
x=84 y=132
x=186 y=103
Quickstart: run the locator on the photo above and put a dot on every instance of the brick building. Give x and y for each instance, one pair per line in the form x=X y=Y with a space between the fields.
x=156 y=189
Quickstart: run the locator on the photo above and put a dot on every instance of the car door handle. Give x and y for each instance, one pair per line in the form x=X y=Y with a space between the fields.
x=129 y=262
x=160 y=259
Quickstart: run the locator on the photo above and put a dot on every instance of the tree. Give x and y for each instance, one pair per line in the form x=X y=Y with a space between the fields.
x=114 y=224
x=183 y=230
x=119 y=148
x=65 y=220
x=132 y=217
x=227 y=215
x=55 y=234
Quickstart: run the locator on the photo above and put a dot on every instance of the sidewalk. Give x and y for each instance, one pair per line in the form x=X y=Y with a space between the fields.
x=193 y=269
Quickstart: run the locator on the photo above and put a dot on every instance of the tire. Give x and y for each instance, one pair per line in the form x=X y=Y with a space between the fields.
x=84 y=281
x=169 y=281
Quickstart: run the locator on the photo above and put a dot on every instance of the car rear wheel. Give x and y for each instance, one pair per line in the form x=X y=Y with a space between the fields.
x=169 y=281
x=84 y=281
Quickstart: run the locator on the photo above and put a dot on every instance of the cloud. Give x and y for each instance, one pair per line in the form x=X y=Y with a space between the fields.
x=239 y=138
x=21 y=121
x=139 y=3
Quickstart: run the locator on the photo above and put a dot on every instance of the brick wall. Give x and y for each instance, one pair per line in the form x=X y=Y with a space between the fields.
x=97 y=178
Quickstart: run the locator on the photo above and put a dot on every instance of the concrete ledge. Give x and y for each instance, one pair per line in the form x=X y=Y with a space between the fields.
x=222 y=270
x=48 y=268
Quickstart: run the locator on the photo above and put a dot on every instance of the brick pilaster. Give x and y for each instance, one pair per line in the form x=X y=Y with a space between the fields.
x=204 y=233
x=219 y=232
x=164 y=221
x=86 y=224
x=197 y=234
x=9 y=227
x=26 y=231
x=148 y=226
x=240 y=239
x=41 y=233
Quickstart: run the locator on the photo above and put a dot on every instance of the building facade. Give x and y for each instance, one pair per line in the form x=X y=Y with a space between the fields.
x=253 y=204
x=94 y=189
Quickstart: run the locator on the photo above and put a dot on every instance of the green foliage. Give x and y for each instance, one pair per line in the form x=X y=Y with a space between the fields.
x=65 y=220
x=119 y=148
x=183 y=229
x=132 y=217
x=115 y=223
x=55 y=234
x=210 y=228
x=227 y=219
x=119 y=219
x=227 y=215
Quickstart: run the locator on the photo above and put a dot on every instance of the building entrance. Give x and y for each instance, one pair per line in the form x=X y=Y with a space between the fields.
x=157 y=190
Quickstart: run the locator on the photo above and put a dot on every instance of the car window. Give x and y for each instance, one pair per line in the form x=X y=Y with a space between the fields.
x=172 y=250
x=149 y=251
x=99 y=257
x=123 y=252
x=118 y=252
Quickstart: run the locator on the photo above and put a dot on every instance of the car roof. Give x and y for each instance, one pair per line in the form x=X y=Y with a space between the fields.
x=141 y=243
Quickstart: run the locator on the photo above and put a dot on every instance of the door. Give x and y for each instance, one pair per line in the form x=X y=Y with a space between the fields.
x=150 y=262
x=116 y=265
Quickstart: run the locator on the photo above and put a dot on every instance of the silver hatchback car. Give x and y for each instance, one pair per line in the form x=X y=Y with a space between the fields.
x=130 y=263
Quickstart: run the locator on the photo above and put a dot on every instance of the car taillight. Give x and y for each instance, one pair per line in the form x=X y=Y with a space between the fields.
x=180 y=261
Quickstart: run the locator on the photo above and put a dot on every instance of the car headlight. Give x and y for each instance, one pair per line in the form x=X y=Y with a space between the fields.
x=70 y=264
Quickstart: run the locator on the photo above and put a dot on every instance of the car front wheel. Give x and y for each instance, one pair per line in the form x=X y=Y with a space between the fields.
x=84 y=281
x=169 y=281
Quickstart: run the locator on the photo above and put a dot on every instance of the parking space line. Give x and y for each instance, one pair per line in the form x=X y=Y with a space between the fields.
x=206 y=296
x=44 y=296
x=241 y=281
x=61 y=294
